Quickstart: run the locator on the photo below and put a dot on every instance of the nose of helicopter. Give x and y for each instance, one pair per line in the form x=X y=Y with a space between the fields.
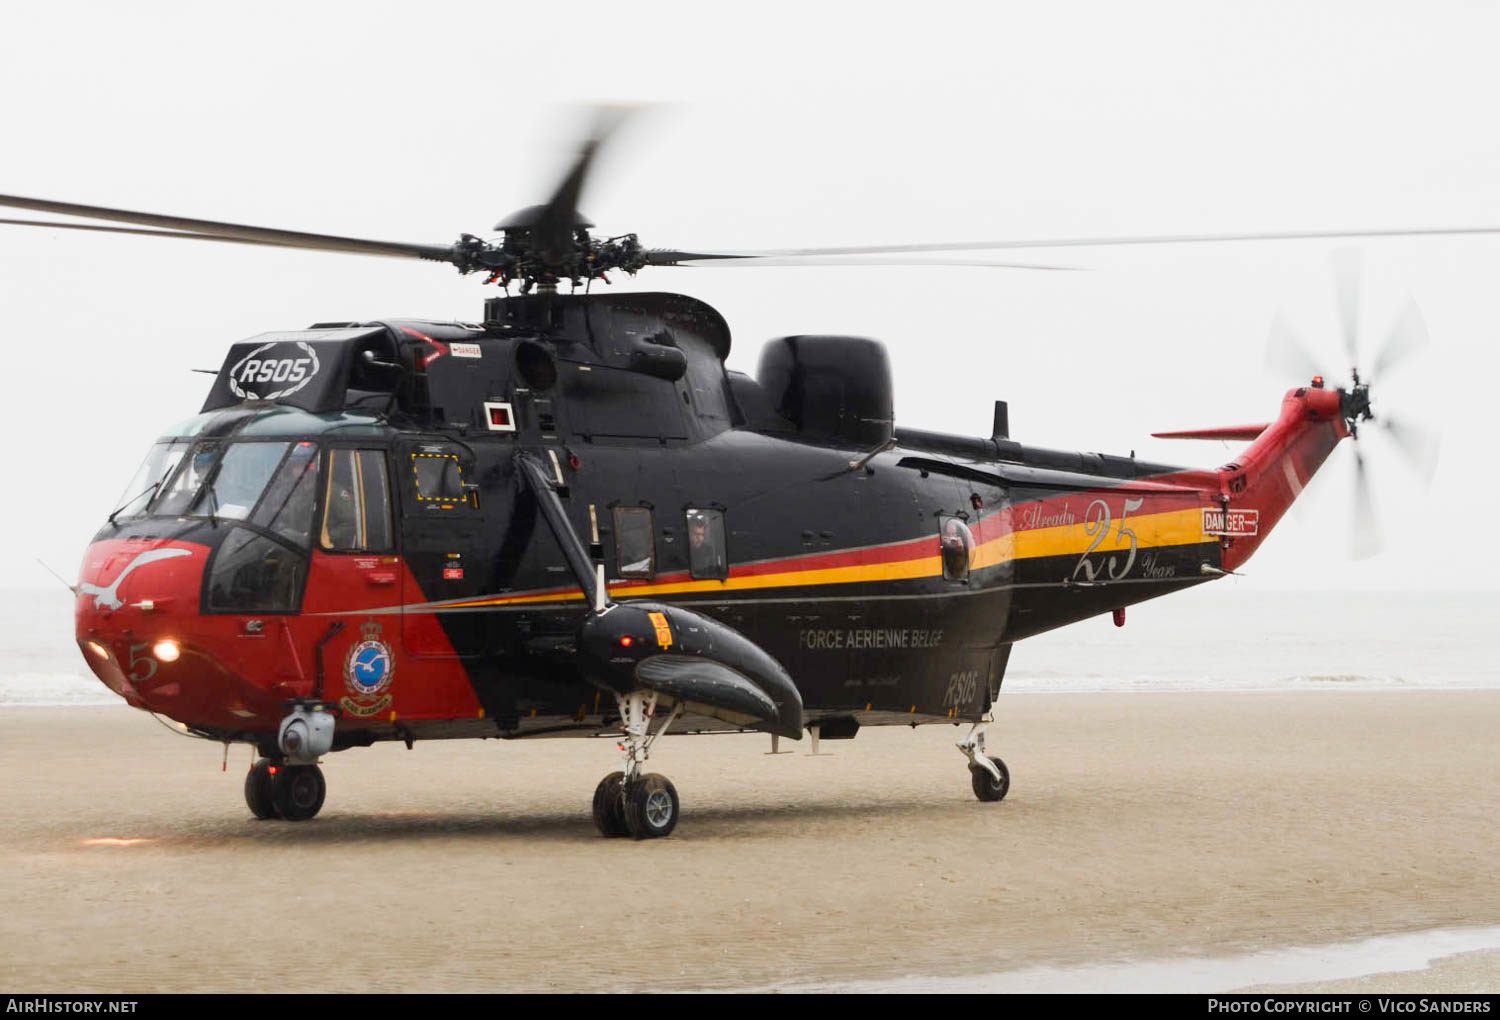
x=137 y=598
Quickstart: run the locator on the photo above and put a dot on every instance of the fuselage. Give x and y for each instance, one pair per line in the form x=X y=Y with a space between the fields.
x=402 y=573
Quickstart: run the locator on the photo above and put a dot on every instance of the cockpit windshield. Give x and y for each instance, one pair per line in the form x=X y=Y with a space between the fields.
x=177 y=494
x=232 y=489
x=210 y=478
x=154 y=470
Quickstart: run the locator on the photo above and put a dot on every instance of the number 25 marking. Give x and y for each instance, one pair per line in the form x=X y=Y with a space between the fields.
x=1096 y=520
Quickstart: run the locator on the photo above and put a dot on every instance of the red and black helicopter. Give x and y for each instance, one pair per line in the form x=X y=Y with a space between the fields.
x=571 y=519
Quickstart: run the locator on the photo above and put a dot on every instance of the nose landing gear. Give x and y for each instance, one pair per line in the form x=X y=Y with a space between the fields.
x=293 y=793
x=627 y=803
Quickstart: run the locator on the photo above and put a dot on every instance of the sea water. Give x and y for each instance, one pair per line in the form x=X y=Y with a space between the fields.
x=1216 y=637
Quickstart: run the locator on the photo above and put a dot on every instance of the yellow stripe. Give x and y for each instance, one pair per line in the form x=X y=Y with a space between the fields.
x=1174 y=527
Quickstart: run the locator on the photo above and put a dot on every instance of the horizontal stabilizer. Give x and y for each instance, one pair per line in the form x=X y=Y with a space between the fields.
x=1226 y=432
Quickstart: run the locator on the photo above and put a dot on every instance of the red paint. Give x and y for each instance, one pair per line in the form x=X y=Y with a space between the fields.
x=1272 y=471
x=230 y=677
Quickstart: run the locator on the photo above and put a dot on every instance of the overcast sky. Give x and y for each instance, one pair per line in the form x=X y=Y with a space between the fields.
x=781 y=125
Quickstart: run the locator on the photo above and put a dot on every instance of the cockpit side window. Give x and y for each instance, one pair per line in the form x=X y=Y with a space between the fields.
x=356 y=502
x=635 y=550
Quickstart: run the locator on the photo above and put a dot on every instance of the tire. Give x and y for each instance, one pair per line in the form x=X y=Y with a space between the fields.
x=651 y=807
x=299 y=792
x=986 y=787
x=259 y=790
x=609 y=806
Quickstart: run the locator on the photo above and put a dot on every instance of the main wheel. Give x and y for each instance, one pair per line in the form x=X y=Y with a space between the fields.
x=299 y=791
x=986 y=786
x=609 y=805
x=651 y=807
x=260 y=788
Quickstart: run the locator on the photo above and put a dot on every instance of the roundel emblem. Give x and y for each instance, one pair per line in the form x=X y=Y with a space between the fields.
x=274 y=370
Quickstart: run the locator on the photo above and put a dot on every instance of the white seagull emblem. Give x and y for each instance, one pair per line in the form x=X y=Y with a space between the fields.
x=108 y=598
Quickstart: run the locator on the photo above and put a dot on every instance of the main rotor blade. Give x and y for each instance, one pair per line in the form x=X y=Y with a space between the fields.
x=1407 y=336
x=840 y=260
x=235 y=231
x=1095 y=242
x=1365 y=538
x=1287 y=355
x=1419 y=445
x=1346 y=266
x=57 y=225
x=559 y=216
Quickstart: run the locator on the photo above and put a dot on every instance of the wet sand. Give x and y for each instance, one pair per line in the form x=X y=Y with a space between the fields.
x=1139 y=826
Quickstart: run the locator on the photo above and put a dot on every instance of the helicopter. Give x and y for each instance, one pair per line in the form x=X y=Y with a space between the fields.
x=571 y=519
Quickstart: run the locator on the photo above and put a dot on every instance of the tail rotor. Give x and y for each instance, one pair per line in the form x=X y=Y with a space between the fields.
x=1289 y=356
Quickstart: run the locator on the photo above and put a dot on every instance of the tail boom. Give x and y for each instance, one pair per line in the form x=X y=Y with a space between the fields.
x=1271 y=472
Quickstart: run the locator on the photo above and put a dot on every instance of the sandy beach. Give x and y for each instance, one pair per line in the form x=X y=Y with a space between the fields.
x=1139 y=826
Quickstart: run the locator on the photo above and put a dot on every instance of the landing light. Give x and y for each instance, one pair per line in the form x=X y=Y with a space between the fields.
x=99 y=650
x=166 y=650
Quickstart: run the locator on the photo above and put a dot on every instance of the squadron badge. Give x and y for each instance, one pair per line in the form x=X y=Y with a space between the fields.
x=368 y=669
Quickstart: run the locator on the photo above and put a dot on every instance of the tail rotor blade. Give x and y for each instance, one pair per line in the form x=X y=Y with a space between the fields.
x=1365 y=538
x=1407 y=336
x=1287 y=355
x=1419 y=445
x=1347 y=265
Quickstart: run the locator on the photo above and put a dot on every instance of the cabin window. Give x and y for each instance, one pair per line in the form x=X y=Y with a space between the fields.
x=252 y=573
x=957 y=543
x=706 y=553
x=356 y=502
x=635 y=551
x=287 y=507
x=439 y=481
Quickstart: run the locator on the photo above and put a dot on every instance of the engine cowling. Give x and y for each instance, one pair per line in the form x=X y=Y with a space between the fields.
x=834 y=389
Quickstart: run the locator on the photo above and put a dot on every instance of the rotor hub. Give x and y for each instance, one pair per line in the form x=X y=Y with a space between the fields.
x=1354 y=404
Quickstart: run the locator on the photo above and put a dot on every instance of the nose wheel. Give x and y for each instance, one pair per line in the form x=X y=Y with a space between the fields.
x=293 y=793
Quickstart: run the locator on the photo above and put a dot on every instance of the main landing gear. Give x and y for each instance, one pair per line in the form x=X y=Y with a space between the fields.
x=293 y=793
x=989 y=776
x=629 y=803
